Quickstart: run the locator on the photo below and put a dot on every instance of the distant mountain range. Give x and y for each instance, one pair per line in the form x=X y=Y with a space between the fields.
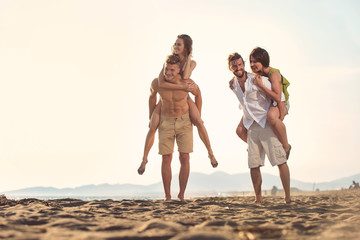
x=199 y=184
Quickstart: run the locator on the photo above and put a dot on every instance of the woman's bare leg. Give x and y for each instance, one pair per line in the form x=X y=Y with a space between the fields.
x=197 y=121
x=149 y=141
x=278 y=127
x=241 y=131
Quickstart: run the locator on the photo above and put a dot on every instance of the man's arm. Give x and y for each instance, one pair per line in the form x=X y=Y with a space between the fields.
x=153 y=96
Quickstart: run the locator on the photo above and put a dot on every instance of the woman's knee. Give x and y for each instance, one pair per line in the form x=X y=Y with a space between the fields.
x=197 y=121
x=238 y=131
x=272 y=116
x=152 y=130
x=241 y=131
x=154 y=124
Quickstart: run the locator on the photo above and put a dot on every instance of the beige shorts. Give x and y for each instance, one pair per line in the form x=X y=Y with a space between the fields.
x=263 y=141
x=179 y=128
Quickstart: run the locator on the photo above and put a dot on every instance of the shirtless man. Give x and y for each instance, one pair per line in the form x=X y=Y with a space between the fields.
x=174 y=124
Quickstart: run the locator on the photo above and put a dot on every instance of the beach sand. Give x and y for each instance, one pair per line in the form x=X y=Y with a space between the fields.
x=318 y=215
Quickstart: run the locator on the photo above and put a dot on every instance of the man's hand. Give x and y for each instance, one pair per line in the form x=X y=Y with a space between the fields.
x=231 y=82
x=258 y=81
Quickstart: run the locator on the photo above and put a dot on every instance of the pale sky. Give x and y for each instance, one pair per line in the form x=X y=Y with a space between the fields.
x=75 y=77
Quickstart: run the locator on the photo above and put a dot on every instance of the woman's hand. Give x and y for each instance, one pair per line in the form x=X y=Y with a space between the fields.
x=257 y=80
x=189 y=85
x=190 y=55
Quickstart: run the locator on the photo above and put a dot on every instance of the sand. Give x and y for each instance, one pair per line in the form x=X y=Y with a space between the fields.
x=322 y=215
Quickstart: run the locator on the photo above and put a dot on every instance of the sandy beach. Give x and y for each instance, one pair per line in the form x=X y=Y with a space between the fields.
x=318 y=215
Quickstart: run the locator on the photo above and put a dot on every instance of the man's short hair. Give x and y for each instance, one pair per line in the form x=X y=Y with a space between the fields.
x=234 y=56
x=261 y=55
x=173 y=59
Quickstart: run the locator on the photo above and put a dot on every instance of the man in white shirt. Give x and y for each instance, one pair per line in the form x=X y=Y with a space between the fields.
x=260 y=137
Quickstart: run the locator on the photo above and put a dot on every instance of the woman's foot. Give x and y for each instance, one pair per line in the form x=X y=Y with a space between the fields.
x=141 y=169
x=213 y=161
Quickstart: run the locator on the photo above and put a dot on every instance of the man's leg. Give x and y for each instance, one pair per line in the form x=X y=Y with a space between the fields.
x=184 y=173
x=166 y=175
x=256 y=180
x=285 y=180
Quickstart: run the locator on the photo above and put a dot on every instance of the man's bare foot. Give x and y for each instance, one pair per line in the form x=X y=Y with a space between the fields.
x=258 y=199
x=288 y=201
x=213 y=161
x=141 y=169
x=181 y=197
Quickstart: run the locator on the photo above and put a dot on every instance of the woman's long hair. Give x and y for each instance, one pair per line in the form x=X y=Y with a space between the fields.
x=187 y=44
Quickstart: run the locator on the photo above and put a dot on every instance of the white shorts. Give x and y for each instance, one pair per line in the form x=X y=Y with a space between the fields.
x=263 y=141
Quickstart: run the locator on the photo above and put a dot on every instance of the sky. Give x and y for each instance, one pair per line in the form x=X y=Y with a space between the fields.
x=75 y=79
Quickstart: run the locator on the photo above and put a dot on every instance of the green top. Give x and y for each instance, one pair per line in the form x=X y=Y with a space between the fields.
x=284 y=83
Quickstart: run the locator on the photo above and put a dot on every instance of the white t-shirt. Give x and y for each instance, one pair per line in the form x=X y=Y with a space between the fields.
x=254 y=101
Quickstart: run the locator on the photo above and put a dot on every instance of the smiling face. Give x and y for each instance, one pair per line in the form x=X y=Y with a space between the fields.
x=179 y=46
x=237 y=67
x=171 y=71
x=259 y=60
x=256 y=67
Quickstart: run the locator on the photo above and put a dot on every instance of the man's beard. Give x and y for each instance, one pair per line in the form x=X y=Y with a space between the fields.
x=239 y=76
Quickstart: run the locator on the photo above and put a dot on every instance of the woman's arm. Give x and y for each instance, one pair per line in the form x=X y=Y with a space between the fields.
x=275 y=93
x=189 y=68
x=164 y=84
x=186 y=86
